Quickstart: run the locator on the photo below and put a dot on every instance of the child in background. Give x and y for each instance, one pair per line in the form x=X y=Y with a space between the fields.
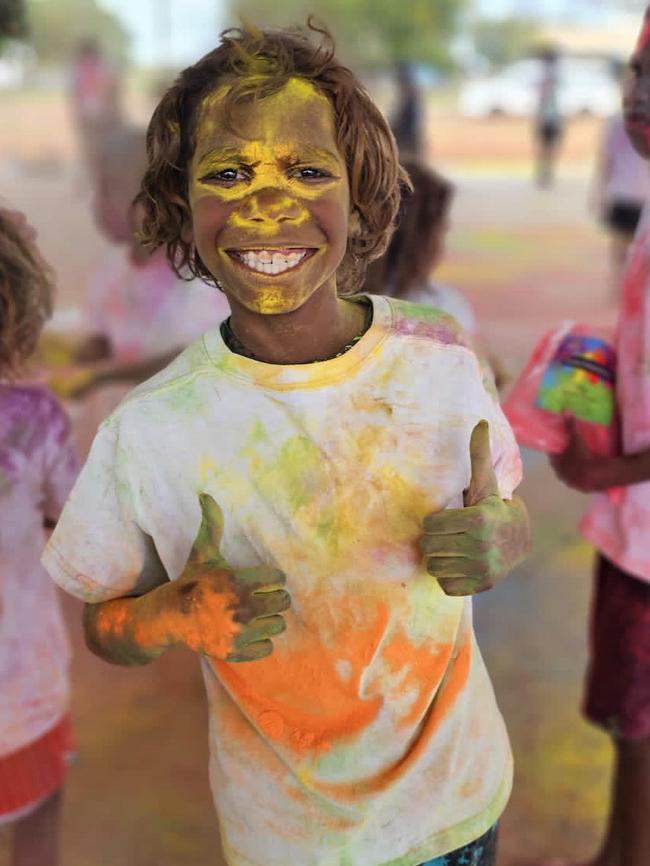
x=621 y=188
x=549 y=121
x=140 y=314
x=37 y=470
x=417 y=248
x=352 y=720
x=618 y=682
x=95 y=99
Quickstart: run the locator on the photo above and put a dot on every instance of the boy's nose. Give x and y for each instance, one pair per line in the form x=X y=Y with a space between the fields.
x=271 y=205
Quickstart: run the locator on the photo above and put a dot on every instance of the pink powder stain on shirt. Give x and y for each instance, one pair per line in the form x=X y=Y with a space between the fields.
x=441 y=331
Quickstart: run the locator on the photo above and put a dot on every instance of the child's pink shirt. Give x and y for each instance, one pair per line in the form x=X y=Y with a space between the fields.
x=619 y=527
x=147 y=310
x=37 y=470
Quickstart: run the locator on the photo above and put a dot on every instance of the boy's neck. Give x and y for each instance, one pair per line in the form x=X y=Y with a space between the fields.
x=322 y=328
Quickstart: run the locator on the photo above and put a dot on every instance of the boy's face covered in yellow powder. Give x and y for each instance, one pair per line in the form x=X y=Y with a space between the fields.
x=270 y=198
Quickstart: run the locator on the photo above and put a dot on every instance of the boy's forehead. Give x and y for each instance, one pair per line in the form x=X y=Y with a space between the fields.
x=310 y=112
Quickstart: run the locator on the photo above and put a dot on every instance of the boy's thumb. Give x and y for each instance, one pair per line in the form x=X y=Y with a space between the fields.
x=207 y=544
x=483 y=481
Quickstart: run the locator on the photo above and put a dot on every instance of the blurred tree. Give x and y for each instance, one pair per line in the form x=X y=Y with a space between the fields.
x=56 y=26
x=373 y=33
x=503 y=40
x=13 y=20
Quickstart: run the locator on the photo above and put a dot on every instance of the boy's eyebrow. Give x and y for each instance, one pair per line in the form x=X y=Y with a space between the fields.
x=221 y=153
x=225 y=154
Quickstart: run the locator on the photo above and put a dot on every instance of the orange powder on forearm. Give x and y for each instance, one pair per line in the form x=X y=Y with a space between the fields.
x=133 y=631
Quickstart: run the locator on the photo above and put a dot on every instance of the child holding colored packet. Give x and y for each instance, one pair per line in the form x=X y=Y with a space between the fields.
x=617 y=693
x=37 y=470
x=309 y=495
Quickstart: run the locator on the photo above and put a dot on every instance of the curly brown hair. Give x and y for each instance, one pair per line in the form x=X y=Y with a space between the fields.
x=256 y=64
x=26 y=295
x=416 y=242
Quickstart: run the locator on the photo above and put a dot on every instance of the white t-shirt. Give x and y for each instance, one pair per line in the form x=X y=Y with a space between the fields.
x=371 y=735
x=37 y=470
x=627 y=177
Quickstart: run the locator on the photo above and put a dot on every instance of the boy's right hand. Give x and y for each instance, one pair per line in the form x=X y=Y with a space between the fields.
x=225 y=613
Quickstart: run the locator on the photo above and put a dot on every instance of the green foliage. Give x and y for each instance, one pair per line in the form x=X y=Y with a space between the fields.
x=13 y=21
x=372 y=33
x=57 y=25
x=501 y=41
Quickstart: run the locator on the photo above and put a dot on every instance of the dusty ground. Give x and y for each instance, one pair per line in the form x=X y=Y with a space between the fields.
x=138 y=793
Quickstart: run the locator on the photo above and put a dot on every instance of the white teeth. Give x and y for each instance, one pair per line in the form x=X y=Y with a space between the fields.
x=268 y=262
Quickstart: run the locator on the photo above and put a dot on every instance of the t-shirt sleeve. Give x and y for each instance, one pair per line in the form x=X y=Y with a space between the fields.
x=60 y=465
x=506 y=457
x=98 y=551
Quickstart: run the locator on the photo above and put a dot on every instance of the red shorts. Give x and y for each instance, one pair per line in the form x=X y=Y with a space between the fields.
x=33 y=773
x=618 y=678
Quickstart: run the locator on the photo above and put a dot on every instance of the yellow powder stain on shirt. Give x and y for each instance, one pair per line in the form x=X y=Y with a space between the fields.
x=207 y=468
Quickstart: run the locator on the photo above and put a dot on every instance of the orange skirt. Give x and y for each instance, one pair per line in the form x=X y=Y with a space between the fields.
x=33 y=773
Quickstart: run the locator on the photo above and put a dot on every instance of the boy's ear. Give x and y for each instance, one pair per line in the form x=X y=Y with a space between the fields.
x=354 y=224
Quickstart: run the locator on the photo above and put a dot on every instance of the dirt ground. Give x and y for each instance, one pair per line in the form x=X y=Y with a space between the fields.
x=138 y=793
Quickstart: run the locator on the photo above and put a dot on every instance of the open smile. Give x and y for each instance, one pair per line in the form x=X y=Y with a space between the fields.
x=271 y=262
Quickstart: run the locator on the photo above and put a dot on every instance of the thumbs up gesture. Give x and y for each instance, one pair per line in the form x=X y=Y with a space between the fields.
x=229 y=614
x=470 y=549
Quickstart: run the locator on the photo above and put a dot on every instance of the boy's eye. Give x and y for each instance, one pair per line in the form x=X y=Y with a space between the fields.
x=224 y=177
x=311 y=173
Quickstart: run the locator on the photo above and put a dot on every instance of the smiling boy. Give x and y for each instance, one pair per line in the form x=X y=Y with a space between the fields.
x=333 y=452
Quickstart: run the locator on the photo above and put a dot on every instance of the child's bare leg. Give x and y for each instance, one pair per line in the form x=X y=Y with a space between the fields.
x=634 y=793
x=36 y=837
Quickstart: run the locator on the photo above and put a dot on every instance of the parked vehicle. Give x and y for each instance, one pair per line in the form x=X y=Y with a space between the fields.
x=586 y=86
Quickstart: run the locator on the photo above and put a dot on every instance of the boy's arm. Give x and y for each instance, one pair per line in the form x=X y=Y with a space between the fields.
x=224 y=613
x=580 y=469
x=128 y=631
x=75 y=383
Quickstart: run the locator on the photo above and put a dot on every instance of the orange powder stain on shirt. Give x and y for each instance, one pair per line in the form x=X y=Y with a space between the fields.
x=422 y=669
x=298 y=696
x=451 y=687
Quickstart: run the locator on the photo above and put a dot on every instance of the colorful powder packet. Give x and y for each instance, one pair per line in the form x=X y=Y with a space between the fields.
x=580 y=380
x=570 y=379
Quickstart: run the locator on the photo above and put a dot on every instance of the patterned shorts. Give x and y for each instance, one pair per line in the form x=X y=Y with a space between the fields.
x=481 y=852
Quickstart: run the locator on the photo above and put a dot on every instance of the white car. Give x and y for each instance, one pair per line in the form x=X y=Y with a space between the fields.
x=587 y=86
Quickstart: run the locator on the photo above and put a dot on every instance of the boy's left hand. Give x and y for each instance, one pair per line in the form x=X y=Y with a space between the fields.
x=470 y=549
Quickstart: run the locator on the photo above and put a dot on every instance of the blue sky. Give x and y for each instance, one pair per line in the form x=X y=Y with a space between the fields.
x=188 y=30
